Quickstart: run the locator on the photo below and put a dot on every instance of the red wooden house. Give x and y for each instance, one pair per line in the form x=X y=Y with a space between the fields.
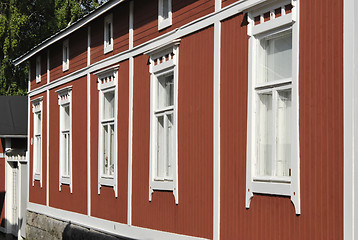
x=207 y=119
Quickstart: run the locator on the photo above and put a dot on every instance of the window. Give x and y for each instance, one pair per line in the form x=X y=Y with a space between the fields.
x=65 y=55
x=65 y=154
x=37 y=140
x=108 y=33
x=164 y=14
x=38 y=69
x=273 y=145
x=163 y=156
x=107 y=154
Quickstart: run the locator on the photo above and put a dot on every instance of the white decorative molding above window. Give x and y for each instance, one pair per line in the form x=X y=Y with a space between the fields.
x=108 y=33
x=65 y=136
x=163 y=168
x=65 y=55
x=38 y=69
x=107 y=128
x=164 y=14
x=37 y=141
x=273 y=162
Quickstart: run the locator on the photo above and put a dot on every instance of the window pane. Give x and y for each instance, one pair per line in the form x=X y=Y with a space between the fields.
x=160 y=147
x=170 y=146
x=109 y=33
x=38 y=124
x=165 y=91
x=38 y=154
x=105 y=149
x=111 y=155
x=276 y=58
x=265 y=135
x=109 y=105
x=283 y=126
x=165 y=9
x=66 y=117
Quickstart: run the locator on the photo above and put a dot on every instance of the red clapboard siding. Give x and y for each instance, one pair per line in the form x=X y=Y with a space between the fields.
x=321 y=134
x=184 y=11
x=102 y=204
x=64 y=199
x=33 y=84
x=77 y=42
x=228 y=2
x=37 y=194
x=194 y=213
x=120 y=33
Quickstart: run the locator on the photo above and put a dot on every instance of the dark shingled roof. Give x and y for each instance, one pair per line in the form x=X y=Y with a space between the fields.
x=13 y=116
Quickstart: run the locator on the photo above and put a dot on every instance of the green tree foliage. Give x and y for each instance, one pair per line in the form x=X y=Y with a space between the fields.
x=26 y=23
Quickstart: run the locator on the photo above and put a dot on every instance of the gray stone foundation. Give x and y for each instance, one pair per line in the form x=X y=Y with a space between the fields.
x=42 y=227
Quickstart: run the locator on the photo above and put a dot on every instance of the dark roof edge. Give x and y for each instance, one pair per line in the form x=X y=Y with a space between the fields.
x=68 y=30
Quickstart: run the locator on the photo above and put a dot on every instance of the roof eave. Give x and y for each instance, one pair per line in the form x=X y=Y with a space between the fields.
x=67 y=31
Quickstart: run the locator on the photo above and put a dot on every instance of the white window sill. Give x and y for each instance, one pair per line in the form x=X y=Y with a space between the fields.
x=37 y=177
x=107 y=181
x=272 y=188
x=66 y=180
x=163 y=185
x=164 y=24
x=108 y=49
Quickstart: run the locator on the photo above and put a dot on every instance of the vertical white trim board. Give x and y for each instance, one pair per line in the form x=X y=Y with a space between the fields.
x=216 y=131
x=350 y=87
x=88 y=144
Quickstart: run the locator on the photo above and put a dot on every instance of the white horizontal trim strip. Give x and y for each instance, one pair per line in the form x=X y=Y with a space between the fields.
x=106 y=226
x=178 y=33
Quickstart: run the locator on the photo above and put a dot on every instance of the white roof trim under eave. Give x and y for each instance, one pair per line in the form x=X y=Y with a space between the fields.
x=66 y=31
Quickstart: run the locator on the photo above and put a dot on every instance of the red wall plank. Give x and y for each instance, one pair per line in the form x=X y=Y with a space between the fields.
x=77 y=201
x=321 y=134
x=33 y=84
x=194 y=213
x=77 y=42
x=102 y=204
x=183 y=11
x=120 y=33
x=37 y=194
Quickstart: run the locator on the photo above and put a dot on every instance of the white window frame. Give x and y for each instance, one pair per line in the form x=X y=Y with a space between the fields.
x=107 y=81
x=65 y=99
x=108 y=42
x=65 y=55
x=37 y=109
x=163 y=60
x=283 y=186
x=38 y=69
x=164 y=23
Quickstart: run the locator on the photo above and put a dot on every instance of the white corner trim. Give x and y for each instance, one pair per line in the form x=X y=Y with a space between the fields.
x=216 y=130
x=88 y=144
x=47 y=147
x=130 y=140
x=350 y=87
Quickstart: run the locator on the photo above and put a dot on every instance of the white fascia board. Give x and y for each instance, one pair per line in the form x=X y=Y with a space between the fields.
x=106 y=226
x=67 y=31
